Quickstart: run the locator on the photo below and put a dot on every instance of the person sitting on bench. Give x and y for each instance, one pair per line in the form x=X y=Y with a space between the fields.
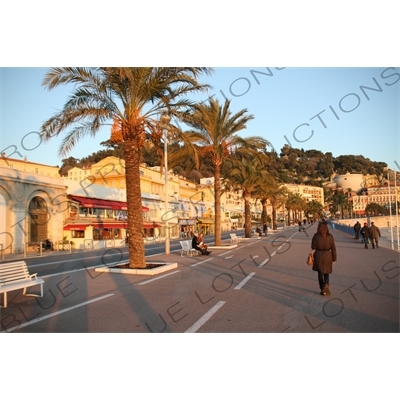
x=197 y=244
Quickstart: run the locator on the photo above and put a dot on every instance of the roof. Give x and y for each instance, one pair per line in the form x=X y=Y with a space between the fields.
x=91 y=202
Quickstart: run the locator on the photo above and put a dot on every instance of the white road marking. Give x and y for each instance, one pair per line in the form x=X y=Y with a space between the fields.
x=263 y=263
x=159 y=277
x=227 y=258
x=201 y=262
x=34 y=321
x=244 y=281
x=197 y=325
x=226 y=252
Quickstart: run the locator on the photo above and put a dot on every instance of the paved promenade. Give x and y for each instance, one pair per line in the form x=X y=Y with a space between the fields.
x=262 y=285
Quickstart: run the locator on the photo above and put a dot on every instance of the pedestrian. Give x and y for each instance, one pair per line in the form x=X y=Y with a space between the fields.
x=265 y=229
x=299 y=226
x=374 y=234
x=197 y=245
x=365 y=234
x=324 y=256
x=357 y=227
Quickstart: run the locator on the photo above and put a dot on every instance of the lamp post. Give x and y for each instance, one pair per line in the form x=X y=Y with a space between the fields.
x=165 y=119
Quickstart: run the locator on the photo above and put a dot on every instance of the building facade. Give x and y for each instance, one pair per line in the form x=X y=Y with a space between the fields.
x=87 y=209
x=31 y=208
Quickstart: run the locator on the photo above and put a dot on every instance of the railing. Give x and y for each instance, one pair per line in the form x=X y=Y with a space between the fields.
x=349 y=230
x=88 y=244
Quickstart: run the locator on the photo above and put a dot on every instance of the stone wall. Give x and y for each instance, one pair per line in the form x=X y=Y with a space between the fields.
x=381 y=222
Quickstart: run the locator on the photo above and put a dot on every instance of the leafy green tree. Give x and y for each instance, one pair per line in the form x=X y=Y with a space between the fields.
x=130 y=101
x=375 y=209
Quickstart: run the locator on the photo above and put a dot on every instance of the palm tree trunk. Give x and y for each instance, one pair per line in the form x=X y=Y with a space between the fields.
x=264 y=212
x=137 y=257
x=247 y=230
x=217 y=204
x=274 y=226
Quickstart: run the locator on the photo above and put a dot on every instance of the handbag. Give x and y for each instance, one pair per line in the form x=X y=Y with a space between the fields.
x=310 y=258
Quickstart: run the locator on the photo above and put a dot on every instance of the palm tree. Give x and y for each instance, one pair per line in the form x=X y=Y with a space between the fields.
x=131 y=100
x=339 y=199
x=295 y=203
x=277 y=195
x=248 y=176
x=212 y=136
x=315 y=208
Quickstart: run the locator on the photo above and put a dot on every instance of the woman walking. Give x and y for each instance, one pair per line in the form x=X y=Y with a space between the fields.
x=325 y=255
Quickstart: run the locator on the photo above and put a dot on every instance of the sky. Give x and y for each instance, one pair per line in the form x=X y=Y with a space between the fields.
x=339 y=110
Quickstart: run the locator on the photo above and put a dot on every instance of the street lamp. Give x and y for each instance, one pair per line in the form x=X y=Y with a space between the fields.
x=165 y=119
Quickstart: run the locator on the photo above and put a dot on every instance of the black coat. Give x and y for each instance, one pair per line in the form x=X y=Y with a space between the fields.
x=365 y=231
x=325 y=253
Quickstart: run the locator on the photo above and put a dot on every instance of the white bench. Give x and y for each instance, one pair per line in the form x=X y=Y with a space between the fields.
x=235 y=238
x=187 y=248
x=15 y=276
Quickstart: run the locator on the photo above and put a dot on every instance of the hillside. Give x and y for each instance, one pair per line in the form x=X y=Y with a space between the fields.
x=290 y=166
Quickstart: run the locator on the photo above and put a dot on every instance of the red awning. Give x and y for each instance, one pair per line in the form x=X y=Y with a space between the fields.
x=75 y=227
x=111 y=225
x=101 y=203
x=92 y=203
x=106 y=225
x=149 y=225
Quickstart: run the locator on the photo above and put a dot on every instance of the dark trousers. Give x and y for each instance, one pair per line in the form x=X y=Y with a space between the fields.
x=323 y=279
x=203 y=251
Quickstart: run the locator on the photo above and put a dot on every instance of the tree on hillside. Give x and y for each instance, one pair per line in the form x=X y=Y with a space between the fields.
x=131 y=102
x=67 y=164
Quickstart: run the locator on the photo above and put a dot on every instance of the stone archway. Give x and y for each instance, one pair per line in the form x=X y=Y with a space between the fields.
x=39 y=217
x=3 y=219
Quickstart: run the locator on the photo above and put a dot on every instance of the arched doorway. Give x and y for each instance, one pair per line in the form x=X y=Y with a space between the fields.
x=38 y=219
x=3 y=219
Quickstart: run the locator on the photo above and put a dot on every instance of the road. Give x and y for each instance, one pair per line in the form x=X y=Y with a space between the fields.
x=263 y=285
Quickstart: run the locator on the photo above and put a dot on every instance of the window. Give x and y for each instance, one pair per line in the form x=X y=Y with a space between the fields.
x=78 y=234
